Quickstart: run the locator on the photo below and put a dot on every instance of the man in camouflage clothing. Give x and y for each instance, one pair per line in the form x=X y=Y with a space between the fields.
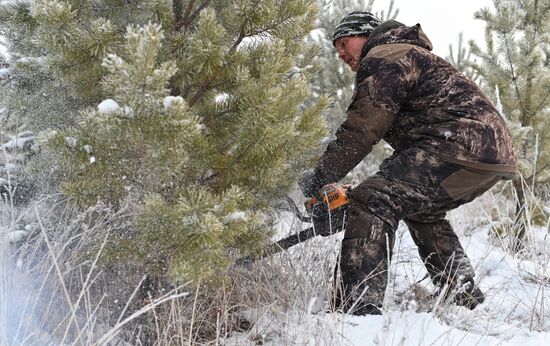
x=451 y=145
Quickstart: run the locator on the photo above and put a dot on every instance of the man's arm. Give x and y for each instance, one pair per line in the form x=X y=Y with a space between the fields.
x=383 y=82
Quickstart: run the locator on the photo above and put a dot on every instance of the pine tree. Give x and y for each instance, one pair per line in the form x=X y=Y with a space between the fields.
x=191 y=112
x=514 y=70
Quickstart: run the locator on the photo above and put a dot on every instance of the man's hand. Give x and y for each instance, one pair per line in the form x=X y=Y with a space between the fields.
x=310 y=183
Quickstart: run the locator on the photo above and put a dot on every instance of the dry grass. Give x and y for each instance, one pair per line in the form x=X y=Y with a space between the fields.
x=57 y=296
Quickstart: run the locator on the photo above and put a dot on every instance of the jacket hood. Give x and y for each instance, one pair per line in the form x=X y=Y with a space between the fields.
x=395 y=32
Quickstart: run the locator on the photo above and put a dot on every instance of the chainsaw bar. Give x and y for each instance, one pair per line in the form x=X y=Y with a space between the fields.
x=280 y=245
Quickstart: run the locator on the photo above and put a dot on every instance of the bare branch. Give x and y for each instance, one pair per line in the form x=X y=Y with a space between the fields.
x=197 y=11
x=176 y=10
x=514 y=80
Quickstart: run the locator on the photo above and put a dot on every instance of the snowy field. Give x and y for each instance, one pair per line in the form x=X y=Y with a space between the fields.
x=291 y=307
x=516 y=310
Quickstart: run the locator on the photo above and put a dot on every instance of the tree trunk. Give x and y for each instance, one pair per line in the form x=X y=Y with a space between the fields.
x=518 y=229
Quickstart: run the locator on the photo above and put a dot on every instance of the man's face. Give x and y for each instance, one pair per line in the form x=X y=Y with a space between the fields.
x=349 y=49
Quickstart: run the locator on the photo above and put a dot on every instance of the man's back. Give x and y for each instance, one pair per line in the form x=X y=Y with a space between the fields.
x=437 y=108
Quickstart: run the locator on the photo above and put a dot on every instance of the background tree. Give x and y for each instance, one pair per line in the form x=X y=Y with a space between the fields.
x=16 y=146
x=514 y=71
x=189 y=112
x=462 y=59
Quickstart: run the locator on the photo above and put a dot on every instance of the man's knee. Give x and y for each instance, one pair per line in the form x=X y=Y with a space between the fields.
x=372 y=214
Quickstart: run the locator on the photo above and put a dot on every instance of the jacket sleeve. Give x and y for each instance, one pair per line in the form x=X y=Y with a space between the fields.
x=381 y=86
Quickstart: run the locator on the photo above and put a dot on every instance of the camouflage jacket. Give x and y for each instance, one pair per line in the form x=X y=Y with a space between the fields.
x=410 y=97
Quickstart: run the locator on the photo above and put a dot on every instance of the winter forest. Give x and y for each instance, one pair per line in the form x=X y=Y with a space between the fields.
x=148 y=147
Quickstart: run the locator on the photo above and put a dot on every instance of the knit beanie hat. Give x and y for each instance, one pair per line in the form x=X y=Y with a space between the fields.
x=356 y=23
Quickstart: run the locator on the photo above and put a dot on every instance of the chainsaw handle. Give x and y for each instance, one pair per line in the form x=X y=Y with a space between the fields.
x=330 y=197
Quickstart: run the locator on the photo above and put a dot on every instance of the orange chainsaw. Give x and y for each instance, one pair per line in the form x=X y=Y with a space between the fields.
x=326 y=210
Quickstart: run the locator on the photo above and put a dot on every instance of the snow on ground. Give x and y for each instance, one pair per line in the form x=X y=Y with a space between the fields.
x=516 y=310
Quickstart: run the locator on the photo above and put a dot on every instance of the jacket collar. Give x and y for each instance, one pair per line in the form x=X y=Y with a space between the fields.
x=395 y=32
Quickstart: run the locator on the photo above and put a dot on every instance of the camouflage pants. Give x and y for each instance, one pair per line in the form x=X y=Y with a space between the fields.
x=418 y=188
